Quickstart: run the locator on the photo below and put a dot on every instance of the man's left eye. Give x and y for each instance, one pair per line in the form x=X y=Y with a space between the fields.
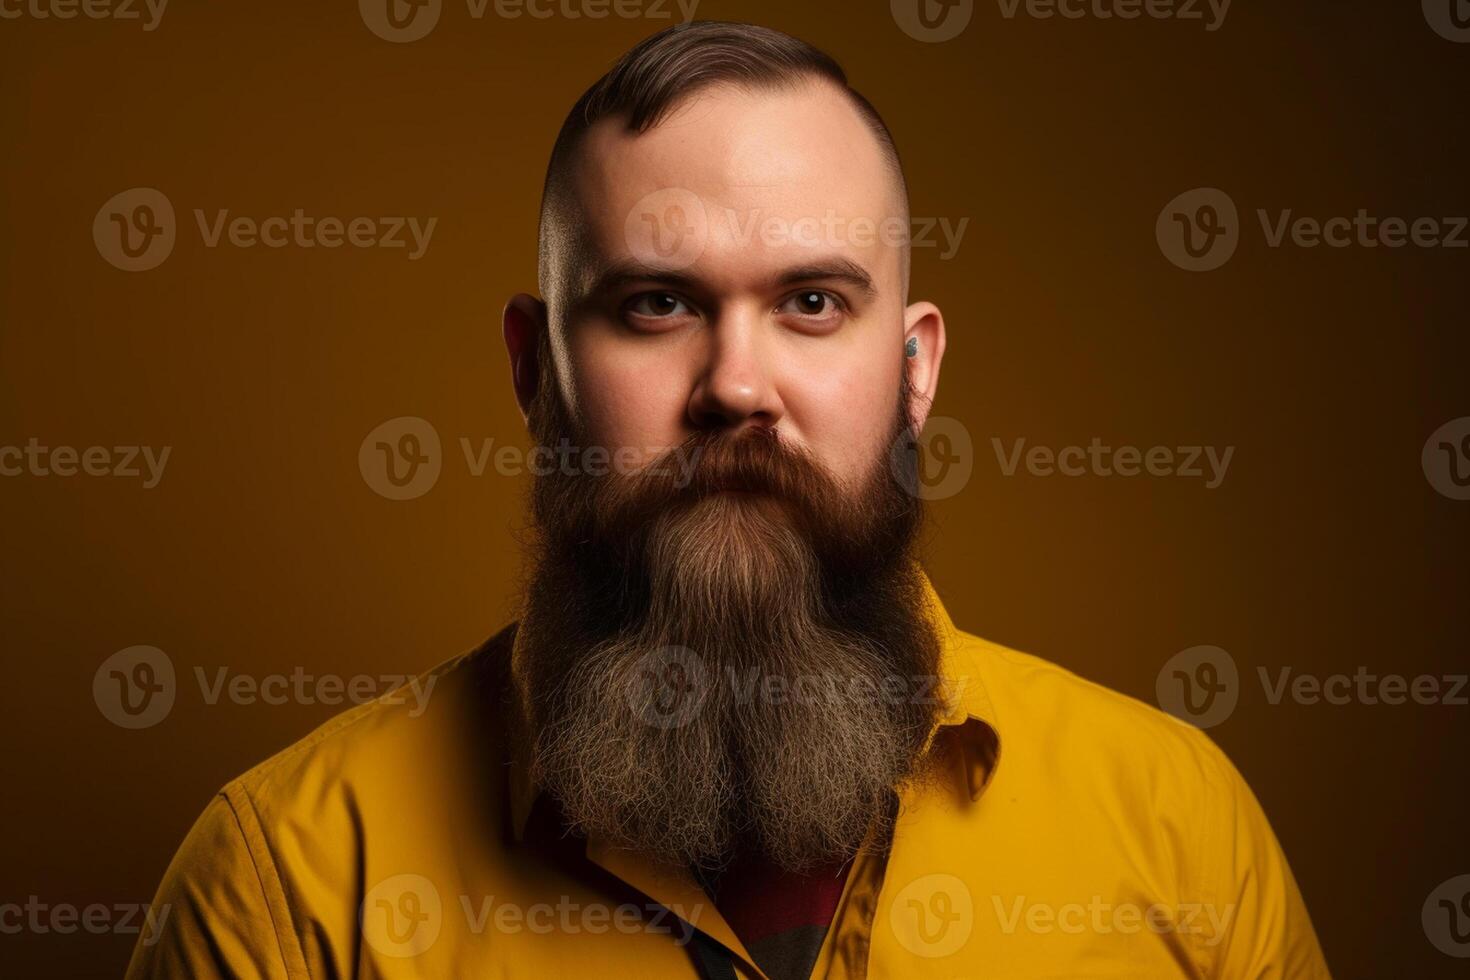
x=810 y=302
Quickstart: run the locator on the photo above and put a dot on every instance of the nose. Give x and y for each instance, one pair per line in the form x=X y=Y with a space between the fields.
x=736 y=387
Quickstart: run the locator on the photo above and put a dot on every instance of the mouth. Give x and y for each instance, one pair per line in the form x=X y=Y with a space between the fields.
x=762 y=501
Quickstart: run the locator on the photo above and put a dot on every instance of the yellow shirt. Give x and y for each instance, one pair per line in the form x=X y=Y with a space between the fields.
x=1073 y=832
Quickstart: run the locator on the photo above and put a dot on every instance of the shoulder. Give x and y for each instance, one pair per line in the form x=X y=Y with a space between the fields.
x=410 y=754
x=383 y=739
x=1130 y=779
x=275 y=853
x=1054 y=725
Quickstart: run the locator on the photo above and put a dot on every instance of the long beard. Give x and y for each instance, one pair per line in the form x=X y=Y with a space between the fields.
x=726 y=650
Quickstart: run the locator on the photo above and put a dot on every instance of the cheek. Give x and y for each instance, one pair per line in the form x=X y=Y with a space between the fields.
x=843 y=409
x=625 y=401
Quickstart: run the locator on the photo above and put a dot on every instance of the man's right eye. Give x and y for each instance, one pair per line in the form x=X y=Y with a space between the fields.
x=657 y=305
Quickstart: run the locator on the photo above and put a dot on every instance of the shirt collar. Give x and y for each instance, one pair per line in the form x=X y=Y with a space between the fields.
x=968 y=713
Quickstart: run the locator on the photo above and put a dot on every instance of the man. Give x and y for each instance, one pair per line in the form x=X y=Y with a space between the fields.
x=734 y=731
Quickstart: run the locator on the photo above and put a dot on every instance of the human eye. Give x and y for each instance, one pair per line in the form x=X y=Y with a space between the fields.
x=658 y=305
x=813 y=308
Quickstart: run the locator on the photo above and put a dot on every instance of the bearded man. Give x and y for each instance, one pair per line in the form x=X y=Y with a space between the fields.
x=734 y=732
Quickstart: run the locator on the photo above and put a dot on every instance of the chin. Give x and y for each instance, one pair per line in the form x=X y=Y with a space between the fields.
x=742 y=546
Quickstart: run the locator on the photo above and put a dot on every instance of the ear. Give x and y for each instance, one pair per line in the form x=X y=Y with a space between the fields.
x=521 y=323
x=923 y=331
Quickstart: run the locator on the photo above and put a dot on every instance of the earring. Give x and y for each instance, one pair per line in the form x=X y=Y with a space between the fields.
x=911 y=347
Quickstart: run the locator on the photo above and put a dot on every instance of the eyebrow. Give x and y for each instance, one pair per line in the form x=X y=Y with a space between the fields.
x=618 y=275
x=621 y=274
x=835 y=269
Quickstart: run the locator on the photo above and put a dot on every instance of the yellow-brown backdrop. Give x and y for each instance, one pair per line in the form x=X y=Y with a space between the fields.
x=1334 y=544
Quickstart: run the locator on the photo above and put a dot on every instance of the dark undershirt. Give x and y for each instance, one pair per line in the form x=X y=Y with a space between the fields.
x=781 y=916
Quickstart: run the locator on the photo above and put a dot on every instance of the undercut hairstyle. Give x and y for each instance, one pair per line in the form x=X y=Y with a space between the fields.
x=662 y=71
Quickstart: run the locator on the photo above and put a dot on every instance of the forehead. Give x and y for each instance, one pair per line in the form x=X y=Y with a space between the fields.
x=763 y=178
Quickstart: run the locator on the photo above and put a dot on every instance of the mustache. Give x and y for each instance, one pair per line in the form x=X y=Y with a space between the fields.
x=755 y=460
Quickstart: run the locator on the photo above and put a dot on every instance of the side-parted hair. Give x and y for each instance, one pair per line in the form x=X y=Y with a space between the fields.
x=658 y=74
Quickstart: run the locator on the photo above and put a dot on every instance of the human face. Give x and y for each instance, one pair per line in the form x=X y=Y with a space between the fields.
x=783 y=307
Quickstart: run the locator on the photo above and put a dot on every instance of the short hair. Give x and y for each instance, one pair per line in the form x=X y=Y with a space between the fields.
x=659 y=73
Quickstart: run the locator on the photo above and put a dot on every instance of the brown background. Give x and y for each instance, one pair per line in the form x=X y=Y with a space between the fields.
x=263 y=549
